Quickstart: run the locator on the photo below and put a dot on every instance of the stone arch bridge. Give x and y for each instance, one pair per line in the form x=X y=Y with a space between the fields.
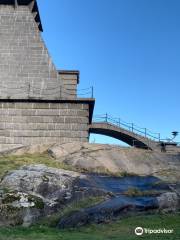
x=126 y=132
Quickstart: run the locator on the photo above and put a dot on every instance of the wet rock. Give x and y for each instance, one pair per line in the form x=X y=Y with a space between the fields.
x=118 y=207
x=108 y=210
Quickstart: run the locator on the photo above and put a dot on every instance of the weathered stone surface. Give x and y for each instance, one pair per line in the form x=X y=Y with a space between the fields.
x=17 y=208
x=34 y=191
x=169 y=201
x=108 y=158
x=120 y=206
x=105 y=158
x=114 y=159
x=31 y=149
x=108 y=210
x=50 y=183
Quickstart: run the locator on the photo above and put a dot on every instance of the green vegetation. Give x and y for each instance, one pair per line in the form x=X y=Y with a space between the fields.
x=12 y=162
x=53 y=220
x=120 y=230
x=135 y=192
x=168 y=175
x=46 y=230
x=127 y=174
x=12 y=213
x=10 y=197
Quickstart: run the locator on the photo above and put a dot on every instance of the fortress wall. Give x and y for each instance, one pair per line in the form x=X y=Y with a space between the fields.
x=26 y=68
x=25 y=123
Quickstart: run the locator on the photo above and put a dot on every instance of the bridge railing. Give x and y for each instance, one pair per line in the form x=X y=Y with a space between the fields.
x=118 y=122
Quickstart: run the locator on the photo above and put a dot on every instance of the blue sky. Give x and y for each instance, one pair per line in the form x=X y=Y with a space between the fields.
x=129 y=50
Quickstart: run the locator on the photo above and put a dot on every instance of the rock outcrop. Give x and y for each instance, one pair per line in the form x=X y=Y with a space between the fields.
x=107 y=211
x=169 y=202
x=37 y=191
x=118 y=207
x=34 y=191
x=111 y=159
x=114 y=159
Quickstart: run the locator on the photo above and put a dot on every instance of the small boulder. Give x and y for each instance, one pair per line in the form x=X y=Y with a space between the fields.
x=168 y=201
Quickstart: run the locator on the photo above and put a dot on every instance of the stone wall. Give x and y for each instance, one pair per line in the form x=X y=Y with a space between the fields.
x=26 y=68
x=24 y=123
x=70 y=80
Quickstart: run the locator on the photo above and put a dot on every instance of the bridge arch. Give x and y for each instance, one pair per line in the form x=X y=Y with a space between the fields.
x=129 y=137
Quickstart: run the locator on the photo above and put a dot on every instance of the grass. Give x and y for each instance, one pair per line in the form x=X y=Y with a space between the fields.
x=169 y=175
x=122 y=229
x=135 y=192
x=12 y=162
x=53 y=220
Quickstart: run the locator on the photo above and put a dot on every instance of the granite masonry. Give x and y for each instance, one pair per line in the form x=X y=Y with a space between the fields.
x=38 y=103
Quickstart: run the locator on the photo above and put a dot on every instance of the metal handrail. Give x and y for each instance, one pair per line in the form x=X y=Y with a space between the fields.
x=128 y=126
